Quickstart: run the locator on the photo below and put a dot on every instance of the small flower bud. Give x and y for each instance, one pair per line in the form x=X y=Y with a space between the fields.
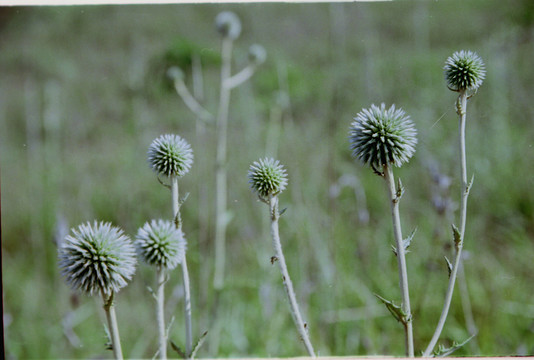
x=174 y=73
x=464 y=70
x=267 y=177
x=228 y=24
x=97 y=258
x=380 y=137
x=170 y=155
x=257 y=54
x=160 y=243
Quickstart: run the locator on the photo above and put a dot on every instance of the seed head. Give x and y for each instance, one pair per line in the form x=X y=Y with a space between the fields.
x=464 y=70
x=228 y=24
x=160 y=243
x=170 y=155
x=267 y=176
x=381 y=137
x=97 y=257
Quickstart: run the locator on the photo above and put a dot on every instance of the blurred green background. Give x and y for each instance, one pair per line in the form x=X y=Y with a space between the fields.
x=83 y=93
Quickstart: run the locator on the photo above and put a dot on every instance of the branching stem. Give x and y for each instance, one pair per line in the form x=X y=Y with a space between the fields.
x=295 y=312
x=401 y=258
x=185 y=272
x=462 y=109
x=221 y=218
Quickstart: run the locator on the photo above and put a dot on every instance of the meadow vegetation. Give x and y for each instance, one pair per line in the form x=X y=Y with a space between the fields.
x=84 y=91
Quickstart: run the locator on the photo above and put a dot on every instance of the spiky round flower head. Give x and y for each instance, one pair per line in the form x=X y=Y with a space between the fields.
x=257 y=54
x=97 y=258
x=160 y=243
x=464 y=70
x=381 y=137
x=267 y=177
x=228 y=24
x=170 y=155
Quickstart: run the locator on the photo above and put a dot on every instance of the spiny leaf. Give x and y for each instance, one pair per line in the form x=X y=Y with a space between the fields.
x=152 y=292
x=400 y=189
x=395 y=310
x=406 y=242
x=468 y=188
x=178 y=350
x=282 y=212
x=198 y=344
x=457 y=236
x=449 y=266
x=443 y=351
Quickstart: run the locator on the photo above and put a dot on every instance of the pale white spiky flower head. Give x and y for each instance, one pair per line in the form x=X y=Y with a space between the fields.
x=170 y=155
x=464 y=70
x=97 y=258
x=267 y=177
x=228 y=24
x=380 y=136
x=160 y=243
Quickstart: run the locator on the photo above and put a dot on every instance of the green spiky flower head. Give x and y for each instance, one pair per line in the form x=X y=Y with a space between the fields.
x=267 y=177
x=97 y=258
x=161 y=244
x=170 y=155
x=228 y=24
x=464 y=70
x=380 y=136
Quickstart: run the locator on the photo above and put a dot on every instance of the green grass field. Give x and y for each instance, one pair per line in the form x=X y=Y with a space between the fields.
x=83 y=93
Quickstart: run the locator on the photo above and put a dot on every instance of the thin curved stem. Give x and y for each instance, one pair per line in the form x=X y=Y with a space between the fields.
x=185 y=272
x=221 y=218
x=401 y=258
x=462 y=109
x=112 y=325
x=160 y=316
x=295 y=312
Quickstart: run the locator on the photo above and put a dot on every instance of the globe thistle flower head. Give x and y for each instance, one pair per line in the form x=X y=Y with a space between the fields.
x=170 y=155
x=267 y=177
x=228 y=24
x=464 y=70
x=380 y=136
x=257 y=54
x=161 y=244
x=97 y=258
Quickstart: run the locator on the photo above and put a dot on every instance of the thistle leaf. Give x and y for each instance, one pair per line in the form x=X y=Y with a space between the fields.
x=468 y=188
x=178 y=350
x=443 y=351
x=406 y=242
x=395 y=310
x=198 y=344
x=457 y=236
x=449 y=266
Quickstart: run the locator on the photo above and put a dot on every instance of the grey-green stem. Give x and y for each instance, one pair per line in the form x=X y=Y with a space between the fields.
x=112 y=325
x=462 y=109
x=295 y=312
x=221 y=218
x=401 y=259
x=160 y=317
x=185 y=272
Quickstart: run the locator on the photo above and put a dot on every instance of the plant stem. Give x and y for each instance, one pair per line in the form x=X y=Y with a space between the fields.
x=112 y=325
x=185 y=272
x=401 y=258
x=297 y=318
x=160 y=316
x=462 y=109
x=221 y=218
